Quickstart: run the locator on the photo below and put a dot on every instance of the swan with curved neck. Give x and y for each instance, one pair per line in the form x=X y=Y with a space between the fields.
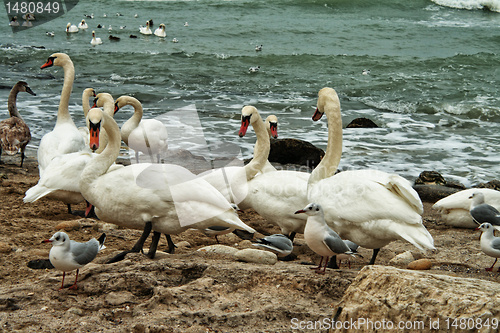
x=165 y=197
x=271 y=123
x=107 y=103
x=369 y=207
x=65 y=137
x=14 y=133
x=84 y=130
x=232 y=181
x=148 y=136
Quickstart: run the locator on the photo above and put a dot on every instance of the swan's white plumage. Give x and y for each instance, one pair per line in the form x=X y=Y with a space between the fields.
x=83 y=25
x=455 y=208
x=95 y=40
x=157 y=193
x=65 y=138
x=160 y=31
x=71 y=28
x=145 y=30
x=149 y=136
x=369 y=207
x=84 y=130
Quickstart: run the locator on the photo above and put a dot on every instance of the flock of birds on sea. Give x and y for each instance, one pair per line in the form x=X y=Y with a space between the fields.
x=336 y=212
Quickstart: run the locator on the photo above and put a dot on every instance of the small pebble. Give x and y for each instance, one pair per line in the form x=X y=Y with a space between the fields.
x=69 y=226
x=420 y=264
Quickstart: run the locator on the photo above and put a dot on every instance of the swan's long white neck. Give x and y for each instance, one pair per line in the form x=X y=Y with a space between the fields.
x=134 y=121
x=328 y=165
x=63 y=115
x=261 y=148
x=85 y=100
x=12 y=102
x=100 y=164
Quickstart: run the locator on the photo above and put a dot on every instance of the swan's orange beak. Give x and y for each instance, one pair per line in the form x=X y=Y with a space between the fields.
x=317 y=115
x=274 y=130
x=95 y=103
x=49 y=63
x=94 y=135
x=88 y=209
x=116 y=108
x=245 y=121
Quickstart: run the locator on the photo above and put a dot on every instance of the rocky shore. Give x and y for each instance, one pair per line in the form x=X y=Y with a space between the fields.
x=200 y=291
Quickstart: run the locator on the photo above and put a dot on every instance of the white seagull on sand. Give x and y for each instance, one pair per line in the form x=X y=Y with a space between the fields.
x=67 y=255
x=489 y=243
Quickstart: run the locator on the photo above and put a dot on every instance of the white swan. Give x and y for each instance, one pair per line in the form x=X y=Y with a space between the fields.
x=166 y=197
x=83 y=25
x=455 y=208
x=65 y=137
x=369 y=207
x=148 y=136
x=84 y=130
x=14 y=133
x=70 y=28
x=95 y=40
x=145 y=30
x=232 y=181
x=272 y=128
x=107 y=103
x=160 y=31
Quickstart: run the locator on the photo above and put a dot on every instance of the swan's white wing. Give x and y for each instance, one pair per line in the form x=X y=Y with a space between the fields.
x=461 y=199
x=361 y=196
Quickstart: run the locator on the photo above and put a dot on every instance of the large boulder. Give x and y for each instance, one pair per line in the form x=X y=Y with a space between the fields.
x=384 y=298
x=294 y=151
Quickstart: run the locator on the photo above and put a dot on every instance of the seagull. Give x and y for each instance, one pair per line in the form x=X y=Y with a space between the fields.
x=109 y=29
x=175 y=40
x=91 y=16
x=354 y=248
x=254 y=69
x=67 y=255
x=366 y=72
x=490 y=244
x=320 y=238
x=481 y=212
x=279 y=244
x=50 y=33
x=258 y=47
x=186 y=24
x=123 y=27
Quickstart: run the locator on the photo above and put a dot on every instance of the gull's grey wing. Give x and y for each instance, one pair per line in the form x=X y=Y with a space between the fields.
x=495 y=243
x=83 y=253
x=485 y=213
x=278 y=241
x=353 y=246
x=335 y=243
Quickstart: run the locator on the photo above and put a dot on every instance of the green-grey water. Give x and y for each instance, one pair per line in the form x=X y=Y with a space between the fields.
x=432 y=87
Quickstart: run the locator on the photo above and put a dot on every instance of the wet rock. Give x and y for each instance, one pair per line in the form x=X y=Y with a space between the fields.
x=419 y=298
x=40 y=264
x=256 y=256
x=5 y=248
x=430 y=178
x=402 y=259
x=420 y=264
x=294 y=151
x=69 y=225
x=433 y=193
x=218 y=249
x=494 y=185
x=362 y=123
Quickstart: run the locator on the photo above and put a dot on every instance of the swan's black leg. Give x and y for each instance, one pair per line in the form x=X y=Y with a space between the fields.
x=374 y=256
x=333 y=263
x=137 y=247
x=171 y=245
x=154 y=245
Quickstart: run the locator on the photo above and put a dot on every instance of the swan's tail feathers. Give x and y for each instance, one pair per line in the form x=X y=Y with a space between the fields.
x=403 y=188
x=35 y=193
x=416 y=235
